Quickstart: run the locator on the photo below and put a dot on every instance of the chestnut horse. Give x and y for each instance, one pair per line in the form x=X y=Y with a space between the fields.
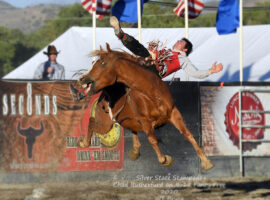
x=144 y=103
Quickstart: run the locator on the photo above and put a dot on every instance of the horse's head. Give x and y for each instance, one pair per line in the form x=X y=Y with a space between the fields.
x=102 y=73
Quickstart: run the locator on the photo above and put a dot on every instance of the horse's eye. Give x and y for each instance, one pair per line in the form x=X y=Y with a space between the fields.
x=103 y=63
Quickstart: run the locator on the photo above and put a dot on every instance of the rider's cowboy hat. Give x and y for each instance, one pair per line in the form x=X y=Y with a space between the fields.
x=51 y=50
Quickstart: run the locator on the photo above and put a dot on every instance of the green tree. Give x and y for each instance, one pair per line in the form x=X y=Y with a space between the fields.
x=13 y=50
x=16 y=48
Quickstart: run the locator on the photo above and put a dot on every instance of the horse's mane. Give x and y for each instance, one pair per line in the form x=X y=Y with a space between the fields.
x=120 y=54
x=140 y=62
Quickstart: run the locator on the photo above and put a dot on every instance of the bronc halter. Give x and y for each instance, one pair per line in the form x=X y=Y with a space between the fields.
x=127 y=100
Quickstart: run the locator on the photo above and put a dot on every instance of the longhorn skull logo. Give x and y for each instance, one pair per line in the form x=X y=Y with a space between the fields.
x=30 y=134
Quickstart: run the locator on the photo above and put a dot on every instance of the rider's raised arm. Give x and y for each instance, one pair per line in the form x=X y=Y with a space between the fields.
x=191 y=70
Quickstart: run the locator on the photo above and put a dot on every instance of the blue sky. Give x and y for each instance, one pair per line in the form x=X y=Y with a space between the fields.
x=25 y=3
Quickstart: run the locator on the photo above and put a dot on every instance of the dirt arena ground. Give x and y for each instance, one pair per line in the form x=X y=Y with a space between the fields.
x=184 y=189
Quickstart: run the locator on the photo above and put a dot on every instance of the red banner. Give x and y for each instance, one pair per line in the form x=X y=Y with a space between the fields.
x=41 y=124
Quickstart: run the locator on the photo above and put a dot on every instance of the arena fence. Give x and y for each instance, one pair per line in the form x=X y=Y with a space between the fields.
x=41 y=124
x=256 y=111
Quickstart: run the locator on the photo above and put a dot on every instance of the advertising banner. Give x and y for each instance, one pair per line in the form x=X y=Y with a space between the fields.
x=41 y=125
x=220 y=120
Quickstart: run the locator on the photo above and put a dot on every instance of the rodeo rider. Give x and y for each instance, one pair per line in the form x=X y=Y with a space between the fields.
x=162 y=62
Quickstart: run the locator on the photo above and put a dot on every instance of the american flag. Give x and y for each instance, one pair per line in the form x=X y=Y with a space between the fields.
x=194 y=8
x=103 y=7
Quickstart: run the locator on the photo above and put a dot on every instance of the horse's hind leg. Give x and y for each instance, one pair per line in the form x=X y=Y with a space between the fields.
x=85 y=142
x=134 y=153
x=178 y=121
x=165 y=160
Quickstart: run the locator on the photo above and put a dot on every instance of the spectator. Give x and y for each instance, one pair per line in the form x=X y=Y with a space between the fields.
x=50 y=70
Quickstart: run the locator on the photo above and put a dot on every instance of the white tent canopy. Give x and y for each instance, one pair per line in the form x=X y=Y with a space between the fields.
x=76 y=44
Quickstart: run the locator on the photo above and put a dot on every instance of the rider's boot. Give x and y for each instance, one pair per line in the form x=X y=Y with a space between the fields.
x=117 y=28
x=77 y=95
x=128 y=41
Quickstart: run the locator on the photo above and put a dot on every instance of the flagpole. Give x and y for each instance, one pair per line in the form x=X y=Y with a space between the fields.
x=94 y=24
x=139 y=20
x=186 y=19
x=241 y=78
x=186 y=27
x=241 y=38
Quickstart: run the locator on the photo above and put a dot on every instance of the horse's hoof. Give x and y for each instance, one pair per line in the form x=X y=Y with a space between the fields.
x=82 y=144
x=168 y=161
x=134 y=154
x=207 y=165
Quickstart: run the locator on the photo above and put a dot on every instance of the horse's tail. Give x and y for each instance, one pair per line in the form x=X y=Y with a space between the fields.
x=177 y=120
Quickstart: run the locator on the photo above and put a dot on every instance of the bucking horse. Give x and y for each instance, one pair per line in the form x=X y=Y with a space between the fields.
x=137 y=99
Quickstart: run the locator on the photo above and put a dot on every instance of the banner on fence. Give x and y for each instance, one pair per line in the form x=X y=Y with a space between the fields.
x=220 y=120
x=40 y=126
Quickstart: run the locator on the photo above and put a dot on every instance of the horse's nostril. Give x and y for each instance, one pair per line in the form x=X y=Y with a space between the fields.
x=82 y=79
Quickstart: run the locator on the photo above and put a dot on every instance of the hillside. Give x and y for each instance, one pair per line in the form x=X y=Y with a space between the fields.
x=214 y=3
x=245 y=2
x=28 y=19
x=4 y=5
x=31 y=19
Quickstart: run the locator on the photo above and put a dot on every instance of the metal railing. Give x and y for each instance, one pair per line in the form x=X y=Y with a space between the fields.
x=241 y=126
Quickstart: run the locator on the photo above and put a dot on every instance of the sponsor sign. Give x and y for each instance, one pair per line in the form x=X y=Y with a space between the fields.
x=220 y=120
x=250 y=102
x=41 y=124
x=103 y=153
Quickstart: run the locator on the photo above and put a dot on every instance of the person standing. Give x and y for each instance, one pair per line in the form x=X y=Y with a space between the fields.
x=51 y=69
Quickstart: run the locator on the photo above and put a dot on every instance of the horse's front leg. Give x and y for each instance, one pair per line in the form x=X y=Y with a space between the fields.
x=165 y=160
x=85 y=142
x=134 y=153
